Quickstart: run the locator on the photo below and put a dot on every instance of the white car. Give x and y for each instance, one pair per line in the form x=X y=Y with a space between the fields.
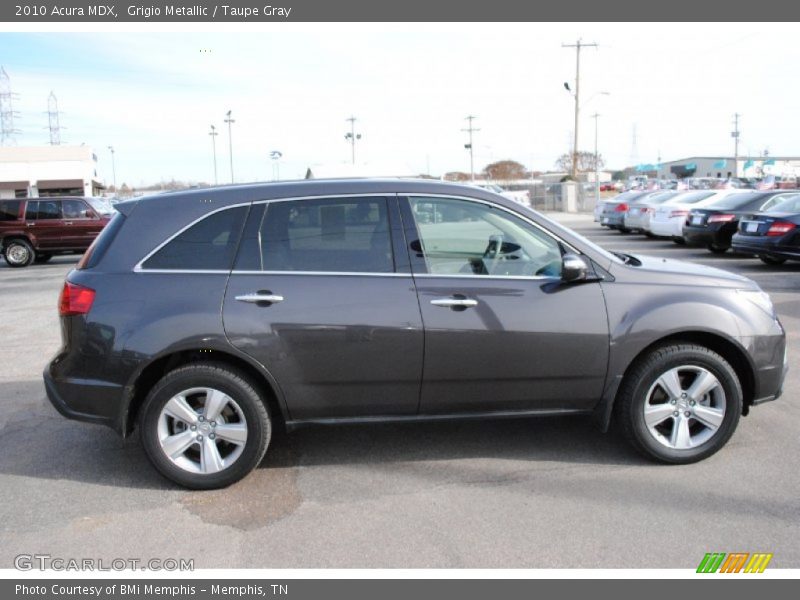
x=669 y=218
x=521 y=196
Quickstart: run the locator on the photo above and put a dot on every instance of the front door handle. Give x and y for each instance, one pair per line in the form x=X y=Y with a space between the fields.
x=269 y=298
x=68 y=223
x=454 y=302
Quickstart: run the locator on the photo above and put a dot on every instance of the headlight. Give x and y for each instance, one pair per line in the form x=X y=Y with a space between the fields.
x=760 y=298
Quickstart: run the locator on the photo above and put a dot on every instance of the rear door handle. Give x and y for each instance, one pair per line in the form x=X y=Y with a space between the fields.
x=68 y=223
x=260 y=297
x=454 y=302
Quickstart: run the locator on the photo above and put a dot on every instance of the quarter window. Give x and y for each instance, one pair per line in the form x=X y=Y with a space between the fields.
x=459 y=237
x=75 y=209
x=9 y=210
x=326 y=235
x=207 y=245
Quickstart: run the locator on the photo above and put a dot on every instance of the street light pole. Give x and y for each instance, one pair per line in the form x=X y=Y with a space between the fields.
x=470 y=129
x=213 y=135
x=230 y=120
x=352 y=137
x=577 y=45
x=114 y=169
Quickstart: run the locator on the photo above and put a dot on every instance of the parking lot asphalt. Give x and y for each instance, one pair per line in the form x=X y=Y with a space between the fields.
x=548 y=493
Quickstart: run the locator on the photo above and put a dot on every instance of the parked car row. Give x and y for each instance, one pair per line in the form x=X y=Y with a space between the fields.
x=33 y=230
x=761 y=223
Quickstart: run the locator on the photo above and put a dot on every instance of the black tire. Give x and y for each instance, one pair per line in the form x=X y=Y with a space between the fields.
x=18 y=253
x=42 y=258
x=769 y=260
x=679 y=240
x=632 y=396
x=649 y=234
x=717 y=249
x=624 y=230
x=237 y=386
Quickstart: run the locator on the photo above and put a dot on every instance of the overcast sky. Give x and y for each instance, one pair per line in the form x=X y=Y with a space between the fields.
x=153 y=96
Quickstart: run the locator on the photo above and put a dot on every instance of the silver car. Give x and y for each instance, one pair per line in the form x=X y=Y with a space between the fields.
x=637 y=217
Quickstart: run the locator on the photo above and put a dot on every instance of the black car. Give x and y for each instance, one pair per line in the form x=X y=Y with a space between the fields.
x=714 y=226
x=207 y=318
x=772 y=235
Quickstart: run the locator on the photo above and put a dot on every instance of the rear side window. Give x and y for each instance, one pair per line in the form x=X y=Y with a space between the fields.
x=208 y=245
x=49 y=209
x=327 y=235
x=9 y=210
x=75 y=209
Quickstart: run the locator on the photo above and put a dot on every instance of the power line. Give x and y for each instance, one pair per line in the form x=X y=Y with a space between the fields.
x=470 y=129
x=577 y=45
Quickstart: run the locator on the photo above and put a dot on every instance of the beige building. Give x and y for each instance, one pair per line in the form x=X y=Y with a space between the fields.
x=34 y=171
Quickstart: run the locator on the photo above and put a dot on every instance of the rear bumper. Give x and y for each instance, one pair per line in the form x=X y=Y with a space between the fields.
x=664 y=228
x=87 y=400
x=635 y=221
x=764 y=246
x=616 y=219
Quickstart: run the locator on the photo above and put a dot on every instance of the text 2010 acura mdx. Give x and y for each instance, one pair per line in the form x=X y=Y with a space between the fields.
x=205 y=317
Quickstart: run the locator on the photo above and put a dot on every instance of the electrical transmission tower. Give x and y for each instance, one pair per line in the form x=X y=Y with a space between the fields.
x=52 y=120
x=7 y=113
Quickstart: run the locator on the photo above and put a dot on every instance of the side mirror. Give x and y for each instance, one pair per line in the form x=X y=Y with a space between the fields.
x=573 y=268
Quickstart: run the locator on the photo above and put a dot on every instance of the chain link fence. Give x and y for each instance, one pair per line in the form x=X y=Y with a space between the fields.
x=555 y=196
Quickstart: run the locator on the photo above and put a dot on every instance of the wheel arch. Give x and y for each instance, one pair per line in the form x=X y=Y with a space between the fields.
x=144 y=381
x=728 y=349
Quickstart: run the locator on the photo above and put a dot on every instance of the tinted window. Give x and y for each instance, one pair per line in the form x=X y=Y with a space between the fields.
x=9 y=210
x=339 y=234
x=459 y=237
x=207 y=245
x=31 y=210
x=735 y=201
x=49 y=209
x=75 y=209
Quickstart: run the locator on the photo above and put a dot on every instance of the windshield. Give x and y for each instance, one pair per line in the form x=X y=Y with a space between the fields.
x=585 y=240
x=791 y=204
x=101 y=205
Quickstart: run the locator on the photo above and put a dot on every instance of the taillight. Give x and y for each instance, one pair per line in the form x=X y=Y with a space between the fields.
x=721 y=218
x=780 y=227
x=678 y=213
x=621 y=207
x=75 y=300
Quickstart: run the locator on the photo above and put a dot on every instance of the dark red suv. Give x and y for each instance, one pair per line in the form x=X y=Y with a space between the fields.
x=34 y=229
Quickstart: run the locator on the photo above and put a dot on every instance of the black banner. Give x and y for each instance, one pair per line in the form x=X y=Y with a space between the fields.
x=74 y=11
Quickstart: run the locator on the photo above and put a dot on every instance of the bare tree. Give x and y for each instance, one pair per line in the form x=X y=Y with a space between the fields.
x=585 y=162
x=505 y=170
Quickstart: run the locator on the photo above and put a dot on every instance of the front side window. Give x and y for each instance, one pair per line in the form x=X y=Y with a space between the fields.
x=459 y=237
x=208 y=245
x=75 y=209
x=327 y=235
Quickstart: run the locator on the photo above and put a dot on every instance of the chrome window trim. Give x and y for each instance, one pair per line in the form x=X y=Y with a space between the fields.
x=138 y=268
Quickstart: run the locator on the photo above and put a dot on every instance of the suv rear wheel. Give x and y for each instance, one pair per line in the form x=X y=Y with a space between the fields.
x=680 y=403
x=204 y=426
x=18 y=253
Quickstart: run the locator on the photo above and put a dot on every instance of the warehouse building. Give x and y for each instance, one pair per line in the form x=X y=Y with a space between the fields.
x=38 y=171
x=728 y=166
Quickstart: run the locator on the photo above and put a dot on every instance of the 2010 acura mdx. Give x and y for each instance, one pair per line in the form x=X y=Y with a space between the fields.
x=208 y=317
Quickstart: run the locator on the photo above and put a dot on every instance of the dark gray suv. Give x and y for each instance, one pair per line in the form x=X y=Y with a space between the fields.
x=206 y=318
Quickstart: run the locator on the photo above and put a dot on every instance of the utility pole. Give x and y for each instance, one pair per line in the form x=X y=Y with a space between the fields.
x=735 y=136
x=229 y=120
x=213 y=133
x=114 y=169
x=596 y=164
x=352 y=136
x=577 y=45
x=470 y=129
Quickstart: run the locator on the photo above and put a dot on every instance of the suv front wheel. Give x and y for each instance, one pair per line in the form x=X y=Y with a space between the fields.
x=680 y=403
x=18 y=253
x=205 y=426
